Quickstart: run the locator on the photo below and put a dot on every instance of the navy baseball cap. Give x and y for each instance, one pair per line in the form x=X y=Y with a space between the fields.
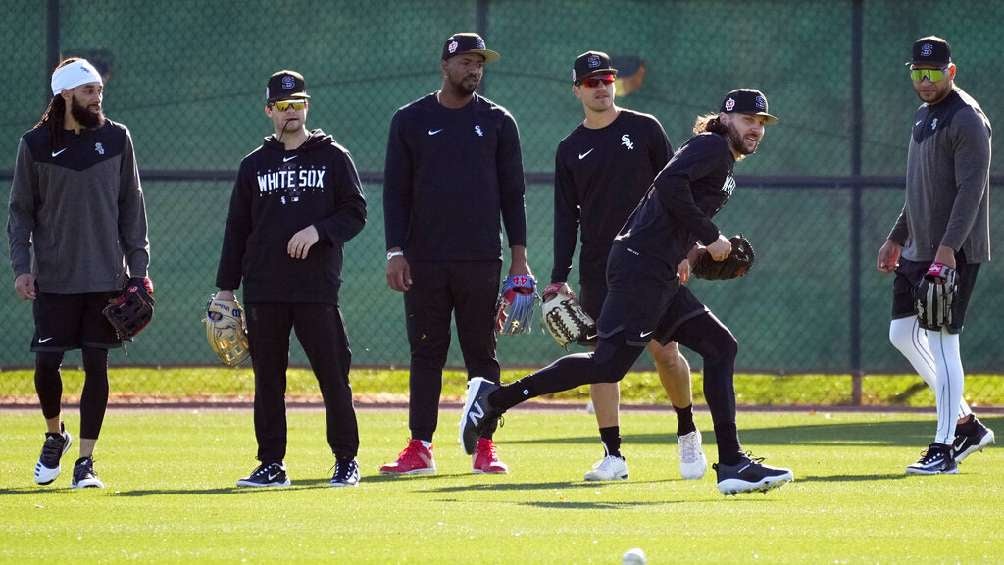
x=592 y=63
x=747 y=101
x=460 y=43
x=931 y=51
x=285 y=85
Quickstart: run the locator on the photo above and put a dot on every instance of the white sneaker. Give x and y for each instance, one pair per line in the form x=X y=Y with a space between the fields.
x=693 y=463
x=610 y=468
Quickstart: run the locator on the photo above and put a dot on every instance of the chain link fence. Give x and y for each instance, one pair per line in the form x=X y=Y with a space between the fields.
x=188 y=79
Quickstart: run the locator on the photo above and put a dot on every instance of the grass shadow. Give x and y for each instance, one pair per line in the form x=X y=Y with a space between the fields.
x=850 y=478
x=553 y=485
x=917 y=432
x=39 y=490
x=297 y=486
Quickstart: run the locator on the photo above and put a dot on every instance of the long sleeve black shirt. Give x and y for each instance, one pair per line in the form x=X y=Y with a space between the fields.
x=678 y=208
x=450 y=178
x=599 y=177
x=278 y=193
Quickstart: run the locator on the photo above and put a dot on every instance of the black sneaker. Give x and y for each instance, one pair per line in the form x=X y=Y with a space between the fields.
x=750 y=475
x=271 y=474
x=346 y=473
x=936 y=460
x=84 y=475
x=970 y=437
x=477 y=414
x=47 y=467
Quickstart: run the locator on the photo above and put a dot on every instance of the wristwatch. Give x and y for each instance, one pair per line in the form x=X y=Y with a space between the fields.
x=392 y=254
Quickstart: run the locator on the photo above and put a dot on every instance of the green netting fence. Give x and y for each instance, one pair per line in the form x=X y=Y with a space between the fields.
x=188 y=79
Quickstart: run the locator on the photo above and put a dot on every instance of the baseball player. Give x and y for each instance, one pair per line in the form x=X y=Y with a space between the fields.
x=944 y=224
x=453 y=176
x=296 y=201
x=602 y=169
x=78 y=233
x=645 y=300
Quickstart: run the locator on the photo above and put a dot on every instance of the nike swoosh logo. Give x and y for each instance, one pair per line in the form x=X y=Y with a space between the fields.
x=960 y=445
x=45 y=340
x=646 y=334
x=272 y=477
x=583 y=155
x=434 y=131
x=288 y=159
x=56 y=153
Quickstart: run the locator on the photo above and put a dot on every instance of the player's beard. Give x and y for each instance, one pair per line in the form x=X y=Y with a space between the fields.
x=467 y=85
x=737 y=142
x=85 y=116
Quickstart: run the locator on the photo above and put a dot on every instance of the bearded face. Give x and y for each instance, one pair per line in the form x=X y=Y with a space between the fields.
x=87 y=115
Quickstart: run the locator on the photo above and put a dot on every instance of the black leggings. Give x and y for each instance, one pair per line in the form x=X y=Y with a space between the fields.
x=613 y=358
x=93 y=399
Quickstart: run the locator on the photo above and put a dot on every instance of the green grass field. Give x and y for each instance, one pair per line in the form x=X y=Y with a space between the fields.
x=170 y=497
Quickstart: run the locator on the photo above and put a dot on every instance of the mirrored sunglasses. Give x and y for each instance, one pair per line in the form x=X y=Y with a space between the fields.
x=284 y=105
x=933 y=75
x=598 y=81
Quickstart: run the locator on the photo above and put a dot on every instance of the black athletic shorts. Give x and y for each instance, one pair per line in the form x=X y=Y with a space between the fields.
x=71 y=321
x=644 y=299
x=908 y=276
x=592 y=294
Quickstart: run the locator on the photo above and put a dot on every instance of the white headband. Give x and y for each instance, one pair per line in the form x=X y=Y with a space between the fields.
x=73 y=75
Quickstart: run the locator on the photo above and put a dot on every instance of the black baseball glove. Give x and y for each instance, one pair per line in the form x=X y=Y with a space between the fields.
x=934 y=297
x=737 y=264
x=132 y=310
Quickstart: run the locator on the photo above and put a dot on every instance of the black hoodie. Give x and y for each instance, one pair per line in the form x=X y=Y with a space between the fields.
x=278 y=193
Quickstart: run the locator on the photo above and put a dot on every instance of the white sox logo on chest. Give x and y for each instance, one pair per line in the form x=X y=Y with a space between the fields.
x=291 y=183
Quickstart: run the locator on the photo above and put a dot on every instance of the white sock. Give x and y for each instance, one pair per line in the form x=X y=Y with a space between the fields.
x=949 y=384
x=907 y=336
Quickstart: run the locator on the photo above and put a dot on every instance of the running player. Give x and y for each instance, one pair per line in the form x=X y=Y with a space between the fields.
x=645 y=300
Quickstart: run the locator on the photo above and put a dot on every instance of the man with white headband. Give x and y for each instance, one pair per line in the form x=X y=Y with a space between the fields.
x=74 y=249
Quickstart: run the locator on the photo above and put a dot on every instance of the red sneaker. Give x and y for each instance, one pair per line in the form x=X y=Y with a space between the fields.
x=485 y=459
x=415 y=459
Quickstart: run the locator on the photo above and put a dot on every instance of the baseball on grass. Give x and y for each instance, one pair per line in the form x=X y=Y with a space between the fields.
x=634 y=556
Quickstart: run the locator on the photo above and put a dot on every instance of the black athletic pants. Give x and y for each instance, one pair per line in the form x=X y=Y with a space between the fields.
x=321 y=332
x=441 y=288
x=93 y=399
x=613 y=357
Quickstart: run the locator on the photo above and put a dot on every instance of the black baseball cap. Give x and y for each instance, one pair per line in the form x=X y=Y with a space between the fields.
x=460 y=43
x=931 y=51
x=747 y=101
x=284 y=85
x=592 y=63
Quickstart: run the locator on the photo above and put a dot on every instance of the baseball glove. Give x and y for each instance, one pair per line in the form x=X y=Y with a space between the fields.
x=565 y=320
x=739 y=261
x=514 y=307
x=226 y=332
x=934 y=296
x=132 y=309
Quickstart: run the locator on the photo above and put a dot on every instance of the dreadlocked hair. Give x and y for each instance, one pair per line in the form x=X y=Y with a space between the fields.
x=709 y=123
x=54 y=116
